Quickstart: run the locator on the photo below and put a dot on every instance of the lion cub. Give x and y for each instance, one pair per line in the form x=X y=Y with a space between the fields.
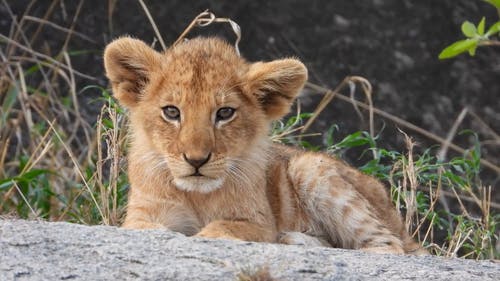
x=201 y=162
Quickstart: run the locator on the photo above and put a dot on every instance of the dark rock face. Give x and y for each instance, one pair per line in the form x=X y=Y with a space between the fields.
x=62 y=251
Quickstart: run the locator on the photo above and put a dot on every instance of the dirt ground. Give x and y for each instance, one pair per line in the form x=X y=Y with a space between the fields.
x=392 y=43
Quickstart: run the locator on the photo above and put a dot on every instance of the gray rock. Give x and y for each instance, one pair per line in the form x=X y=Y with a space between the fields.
x=31 y=250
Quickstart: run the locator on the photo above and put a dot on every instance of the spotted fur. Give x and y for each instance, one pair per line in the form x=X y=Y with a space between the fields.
x=246 y=187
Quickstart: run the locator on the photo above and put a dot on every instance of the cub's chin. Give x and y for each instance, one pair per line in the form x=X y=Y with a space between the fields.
x=200 y=184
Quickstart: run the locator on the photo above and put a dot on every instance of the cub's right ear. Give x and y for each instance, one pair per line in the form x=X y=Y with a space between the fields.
x=129 y=64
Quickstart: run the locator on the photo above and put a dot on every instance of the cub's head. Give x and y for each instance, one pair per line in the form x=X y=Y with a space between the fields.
x=200 y=108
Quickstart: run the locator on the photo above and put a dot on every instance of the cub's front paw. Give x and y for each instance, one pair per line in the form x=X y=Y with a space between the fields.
x=299 y=238
x=215 y=233
x=142 y=225
x=384 y=250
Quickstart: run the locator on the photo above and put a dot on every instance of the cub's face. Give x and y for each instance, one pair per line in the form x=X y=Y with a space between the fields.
x=201 y=108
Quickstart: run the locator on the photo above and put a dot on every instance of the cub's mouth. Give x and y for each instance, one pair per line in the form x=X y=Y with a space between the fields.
x=202 y=174
x=197 y=174
x=198 y=182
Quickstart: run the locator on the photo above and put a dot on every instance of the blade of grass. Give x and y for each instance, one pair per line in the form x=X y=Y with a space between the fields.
x=153 y=24
x=79 y=172
x=24 y=199
x=60 y=28
x=45 y=57
x=206 y=18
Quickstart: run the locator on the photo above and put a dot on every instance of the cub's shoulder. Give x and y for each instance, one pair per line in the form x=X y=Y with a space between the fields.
x=283 y=151
x=300 y=161
x=291 y=154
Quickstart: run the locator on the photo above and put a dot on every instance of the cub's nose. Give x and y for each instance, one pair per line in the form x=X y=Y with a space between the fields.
x=196 y=162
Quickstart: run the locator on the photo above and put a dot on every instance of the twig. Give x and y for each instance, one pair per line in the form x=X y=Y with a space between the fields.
x=24 y=199
x=23 y=97
x=48 y=58
x=327 y=98
x=45 y=16
x=489 y=43
x=78 y=170
x=441 y=155
x=19 y=31
x=58 y=27
x=351 y=82
x=206 y=18
x=155 y=28
x=485 y=126
x=111 y=8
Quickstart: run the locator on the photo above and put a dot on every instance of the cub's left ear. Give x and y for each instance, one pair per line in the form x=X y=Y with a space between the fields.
x=275 y=84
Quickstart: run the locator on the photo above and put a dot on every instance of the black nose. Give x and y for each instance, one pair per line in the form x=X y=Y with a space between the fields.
x=197 y=163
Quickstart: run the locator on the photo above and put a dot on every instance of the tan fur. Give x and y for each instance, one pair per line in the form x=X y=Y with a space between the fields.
x=249 y=188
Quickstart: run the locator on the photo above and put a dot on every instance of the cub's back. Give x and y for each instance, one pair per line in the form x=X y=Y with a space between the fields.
x=293 y=179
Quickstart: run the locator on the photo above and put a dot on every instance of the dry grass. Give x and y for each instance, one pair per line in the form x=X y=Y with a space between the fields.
x=48 y=151
x=406 y=189
x=55 y=165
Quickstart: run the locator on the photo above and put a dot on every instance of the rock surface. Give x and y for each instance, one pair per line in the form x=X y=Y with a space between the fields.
x=61 y=251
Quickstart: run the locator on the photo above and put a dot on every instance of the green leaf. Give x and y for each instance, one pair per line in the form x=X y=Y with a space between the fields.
x=353 y=140
x=458 y=168
x=309 y=146
x=456 y=180
x=30 y=175
x=6 y=183
x=83 y=52
x=469 y=29
x=458 y=48
x=32 y=69
x=495 y=3
x=480 y=26
x=108 y=123
x=8 y=103
x=495 y=28
x=329 y=135
x=472 y=51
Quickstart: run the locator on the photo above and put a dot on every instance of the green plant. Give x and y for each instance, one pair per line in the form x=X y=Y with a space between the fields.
x=421 y=187
x=286 y=132
x=439 y=200
x=475 y=36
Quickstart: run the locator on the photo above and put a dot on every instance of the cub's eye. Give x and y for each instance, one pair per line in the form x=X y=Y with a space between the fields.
x=224 y=114
x=171 y=113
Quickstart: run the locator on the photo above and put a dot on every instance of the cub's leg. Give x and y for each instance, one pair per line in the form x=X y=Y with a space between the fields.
x=303 y=239
x=328 y=192
x=148 y=212
x=141 y=224
x=238 y=230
